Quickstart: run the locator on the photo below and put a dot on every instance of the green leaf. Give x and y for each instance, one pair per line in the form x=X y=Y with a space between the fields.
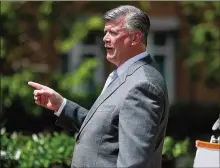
x=46 y=7
x=7 y=102
x=209 y=15
x=5 y=7
x=78 y=32
x=2 y=47
x=198 y=34
x=199 y=4
x=43 y=25
x=95 y=22
x=33 y=154
x=197 y=58
x=144 y=5
x=75 y=81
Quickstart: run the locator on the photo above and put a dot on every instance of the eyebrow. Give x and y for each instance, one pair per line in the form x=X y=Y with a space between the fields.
x=113 y=30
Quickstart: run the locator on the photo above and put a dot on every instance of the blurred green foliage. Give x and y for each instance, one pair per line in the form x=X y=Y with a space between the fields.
x=203 y=41
x=23 y=26
x=72 y=26
x=78 y=79
x=75 y=35
x=173 y=148
x=36 y=150
x=178 y=153
x=15 y=90
x=55 y=149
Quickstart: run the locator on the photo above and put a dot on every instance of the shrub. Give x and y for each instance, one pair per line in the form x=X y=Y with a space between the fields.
x=173 y=148
x=55 y=149
x=36 y=150
x=177 y=153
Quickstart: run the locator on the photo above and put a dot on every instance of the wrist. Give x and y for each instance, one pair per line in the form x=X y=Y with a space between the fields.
x=60 y=109
x=59 y=104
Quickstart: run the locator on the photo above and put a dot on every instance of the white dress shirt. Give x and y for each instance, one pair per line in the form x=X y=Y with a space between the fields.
x=120 y=70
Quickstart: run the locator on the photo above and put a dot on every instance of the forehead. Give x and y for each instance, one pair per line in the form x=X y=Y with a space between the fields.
x=116 y=24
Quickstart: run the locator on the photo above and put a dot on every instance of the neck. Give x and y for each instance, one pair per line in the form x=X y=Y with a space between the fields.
x=133 y=52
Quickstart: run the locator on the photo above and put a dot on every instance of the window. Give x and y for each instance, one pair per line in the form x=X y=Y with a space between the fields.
x=159 y=38
x=161 y=48
x=160 y=61
x=91 y=46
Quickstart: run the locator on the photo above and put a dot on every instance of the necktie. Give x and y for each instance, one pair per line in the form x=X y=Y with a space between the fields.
x=110 y=80
x=113 y=76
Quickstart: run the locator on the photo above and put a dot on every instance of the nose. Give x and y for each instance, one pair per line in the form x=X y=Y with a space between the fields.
x=106 y=38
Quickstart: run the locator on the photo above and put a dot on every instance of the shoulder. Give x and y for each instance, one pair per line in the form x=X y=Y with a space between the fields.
x=149 y=77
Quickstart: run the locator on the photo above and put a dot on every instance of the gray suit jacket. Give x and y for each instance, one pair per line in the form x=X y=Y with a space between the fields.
x=125 y=127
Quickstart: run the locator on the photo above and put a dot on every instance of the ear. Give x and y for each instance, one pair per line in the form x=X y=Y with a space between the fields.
x=137 y=36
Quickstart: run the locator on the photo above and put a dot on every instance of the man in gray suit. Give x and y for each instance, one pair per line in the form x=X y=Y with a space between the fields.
x=125 y=127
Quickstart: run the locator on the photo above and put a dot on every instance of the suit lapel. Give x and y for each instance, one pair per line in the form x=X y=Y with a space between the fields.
x=111 y=89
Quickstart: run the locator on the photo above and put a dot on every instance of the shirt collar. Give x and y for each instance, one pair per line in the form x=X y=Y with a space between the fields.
x=122 y=68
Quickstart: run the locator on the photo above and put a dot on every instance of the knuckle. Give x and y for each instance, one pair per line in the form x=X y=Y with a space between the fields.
x=35 y=92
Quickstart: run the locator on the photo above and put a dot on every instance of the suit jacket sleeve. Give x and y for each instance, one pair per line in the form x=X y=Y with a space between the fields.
x=72 y=116
x=139 y=120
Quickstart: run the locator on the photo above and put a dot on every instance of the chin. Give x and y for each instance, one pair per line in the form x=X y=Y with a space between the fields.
x=111 y=59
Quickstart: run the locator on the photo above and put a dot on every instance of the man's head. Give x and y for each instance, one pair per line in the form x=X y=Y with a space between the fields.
x=126 y=30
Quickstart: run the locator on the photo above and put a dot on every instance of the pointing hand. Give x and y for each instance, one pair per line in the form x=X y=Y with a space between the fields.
x=46 y=97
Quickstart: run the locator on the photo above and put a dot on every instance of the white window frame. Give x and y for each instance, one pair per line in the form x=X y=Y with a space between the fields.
x=168 y=49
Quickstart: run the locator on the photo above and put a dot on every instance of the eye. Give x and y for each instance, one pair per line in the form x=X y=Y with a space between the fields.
x=113 y=33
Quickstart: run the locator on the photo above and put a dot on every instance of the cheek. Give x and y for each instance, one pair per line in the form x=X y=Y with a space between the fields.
x=121 y=43
x=127 y=42
x=118 y=42
x=114 y=41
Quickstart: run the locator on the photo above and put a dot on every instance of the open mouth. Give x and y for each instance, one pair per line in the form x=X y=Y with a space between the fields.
x=109 y=48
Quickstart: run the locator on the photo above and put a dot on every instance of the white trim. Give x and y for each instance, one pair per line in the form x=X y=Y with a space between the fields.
x=168 y=51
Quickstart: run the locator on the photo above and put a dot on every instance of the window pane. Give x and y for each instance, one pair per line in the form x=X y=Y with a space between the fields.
x=92 y=36
x=160 y=62
x=63 y=62
x=160 y=38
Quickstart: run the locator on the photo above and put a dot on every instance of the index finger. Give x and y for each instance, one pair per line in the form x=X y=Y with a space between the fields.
x=35 y=85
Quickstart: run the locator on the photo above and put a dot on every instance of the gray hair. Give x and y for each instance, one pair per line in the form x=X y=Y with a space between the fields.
x=135 y=19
